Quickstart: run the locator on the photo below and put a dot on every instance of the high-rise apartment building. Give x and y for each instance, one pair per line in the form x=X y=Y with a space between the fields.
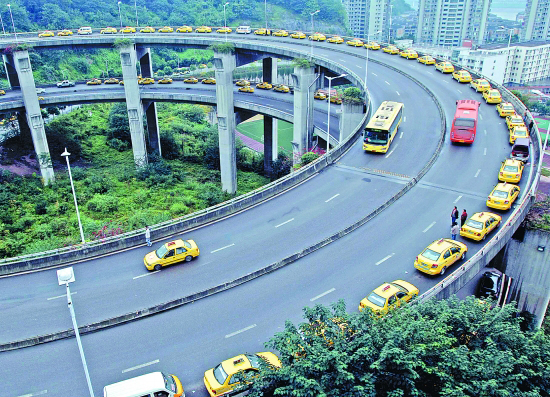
x=536 y=25
x=368 y=18
x=449 y=22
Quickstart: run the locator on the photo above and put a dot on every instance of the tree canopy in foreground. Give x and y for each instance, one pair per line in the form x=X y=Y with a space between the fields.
x=449 y=348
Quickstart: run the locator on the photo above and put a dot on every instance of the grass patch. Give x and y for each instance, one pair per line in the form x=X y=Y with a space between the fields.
x=255 y=130
x=545 y=171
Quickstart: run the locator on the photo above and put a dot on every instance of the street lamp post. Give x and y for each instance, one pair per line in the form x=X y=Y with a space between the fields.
x=12 y=24
x=1 y=20
x=508 y=49
x=328 y=112
x=119 y=14
x=389 y=27
x=66 y=154
x=367 y=62
x=135 y=7
x=66 y=276
x=225 y=20
x=312 y=29
x=265 y=10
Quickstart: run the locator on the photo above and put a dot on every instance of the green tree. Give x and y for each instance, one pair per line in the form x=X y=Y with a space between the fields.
x=436 y=348
x=119 y=127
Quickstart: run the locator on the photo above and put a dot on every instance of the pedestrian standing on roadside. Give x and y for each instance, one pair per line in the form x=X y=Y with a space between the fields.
x=454 y=230
x=148 y=236
x=454 y=215
x=463 y=218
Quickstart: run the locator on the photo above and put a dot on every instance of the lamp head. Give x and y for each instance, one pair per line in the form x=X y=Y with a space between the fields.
x=65 y=153
x=226 y=4
x=315 y=12
x=65 y=276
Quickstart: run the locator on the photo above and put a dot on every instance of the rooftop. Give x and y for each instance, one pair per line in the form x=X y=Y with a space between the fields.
x=504 y=45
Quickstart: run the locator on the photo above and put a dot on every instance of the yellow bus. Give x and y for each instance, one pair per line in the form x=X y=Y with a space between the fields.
x=382 y=127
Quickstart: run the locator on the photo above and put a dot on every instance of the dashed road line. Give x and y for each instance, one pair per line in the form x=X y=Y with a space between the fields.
x=398 y=93
x=485 y=132
x=60 y=296
x=401 y=135
x=39 y=393
x=395 y=147
x=140 y=366
x=480 y=117
x=359 y=66
x=222 y=248
x=284 y=223
x=458 y=198
x=384 y=259
x=459 y=90
x=446 y=82
x=342 y=60
x=146 y=274
x=374 y=74
x=336 y=195
x=429 y=227
x=405 y=119
x=323 y=294
x=240 y=331
x=485 y=152
x=477 y=173
x=387 y=82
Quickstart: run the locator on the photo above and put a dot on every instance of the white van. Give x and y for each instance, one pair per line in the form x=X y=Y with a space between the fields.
x=243 y=29
x=85 y=30
x=155 y=384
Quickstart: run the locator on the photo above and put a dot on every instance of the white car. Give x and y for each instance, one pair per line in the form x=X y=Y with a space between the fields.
x=244 y=30
x=65 y=83
x=40 y=90
x=85 y=30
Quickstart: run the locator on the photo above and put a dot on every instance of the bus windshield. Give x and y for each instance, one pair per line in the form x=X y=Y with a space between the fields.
x=376 y=137
x=462 y=122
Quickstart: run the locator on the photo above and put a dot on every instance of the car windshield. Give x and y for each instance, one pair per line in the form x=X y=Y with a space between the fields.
x=220 y=374
x=254 y=360
x=488 y=282
x=376 y=299
x=520 y=132
x=508 y=107
x=169 y=382
x=474 y=224
x=377 y=137
x=484 y=83
x=186 y=244
x=162 y=251
x=511 y=168
x=463 y=122
x=500 y=194
x=431 y=254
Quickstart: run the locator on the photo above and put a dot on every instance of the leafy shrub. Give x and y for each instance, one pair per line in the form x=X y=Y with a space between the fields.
x=170 y=149
x=309 y=157
x=301 y=63
x=212 y=194
x=178 y=209
x=119 y=145
x=352 y=95
x=103 y=203
x=222 y=48
x=78 y=173
x=40 y=207
x=281 y=166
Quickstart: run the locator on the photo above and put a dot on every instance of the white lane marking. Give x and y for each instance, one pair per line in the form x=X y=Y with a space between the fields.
x=342 y=60
x=428 y=228
x=480 y=117
x=387 y=82
x=281 y=224
x=239 y=331
x=222 y=248
x=324 y=123
x=459 y=90
x=405 y=119
x=477 y=173
x=398 y=93
x=336 y=195
x=384 y=259
x=395 y=147
x=374 y=74
x=359 y=66
x=323 y=294
x=146 y=274
x=485 y=152
x=140 y=366
x=457 y=199
x=446 y=82
x=34 y=394
x=485 y=131
x=60 y=296
x=430 y=72
x=401 y=135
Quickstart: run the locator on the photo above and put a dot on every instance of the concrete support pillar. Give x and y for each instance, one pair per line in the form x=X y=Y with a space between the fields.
x=349 y=118
x=303 y=79
x=269 y=68
x=275 y=140
x=321 y=80
x=268 y=144
x=225 y=65
x=145 y=63
x=11 y=73
x=34 y=116
x=128 y=61
x=150 y=109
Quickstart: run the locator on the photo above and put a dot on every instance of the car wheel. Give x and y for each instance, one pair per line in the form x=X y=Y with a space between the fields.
x=443 y=270
x=482 y=239
x=158 y=267
x=463 y=256
x=188 y=258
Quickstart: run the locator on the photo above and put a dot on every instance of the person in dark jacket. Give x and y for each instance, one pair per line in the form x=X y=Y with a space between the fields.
x=463 y=218
x=454 y=215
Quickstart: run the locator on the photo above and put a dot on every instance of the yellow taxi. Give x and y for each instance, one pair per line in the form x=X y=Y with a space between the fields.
x=262 y=32
x=335 y=40
x=355 y=43
x=2 y=92
x=445 y=67
x=335 y=99
x=184 y=29
x=514 y=121
x=320 y=95
x=280 y=33
x=409 y=54
x=426 y=60
x=246 y=88
x=108 y=30
x=492 y=96
x=111 y=80
x=298 y=35
x=224 y=30
x=281 y=88
x=202 y=65
x=439 y=255
x=480 y=225
x=203 y=29
x=462 y=76
x=264 y=85
x=511 y=171
x=389 y=296
x=372 y=45
x=147 y=29
x=391 y=49
x=191 y=80
x=40 y=98
x=65 y=32
x=166 y=29
x=165 y=80
x=242 y=82
x=94 y=81
x=121 y=82
x=170 y=253
x=146 y=80
x=519 y=131
x=503 y=196
x=209 y=80
x=46 y=33
x=128 y=29
x=317 y=37
x=480 y=85
x=229 y=374
x=505 y=109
